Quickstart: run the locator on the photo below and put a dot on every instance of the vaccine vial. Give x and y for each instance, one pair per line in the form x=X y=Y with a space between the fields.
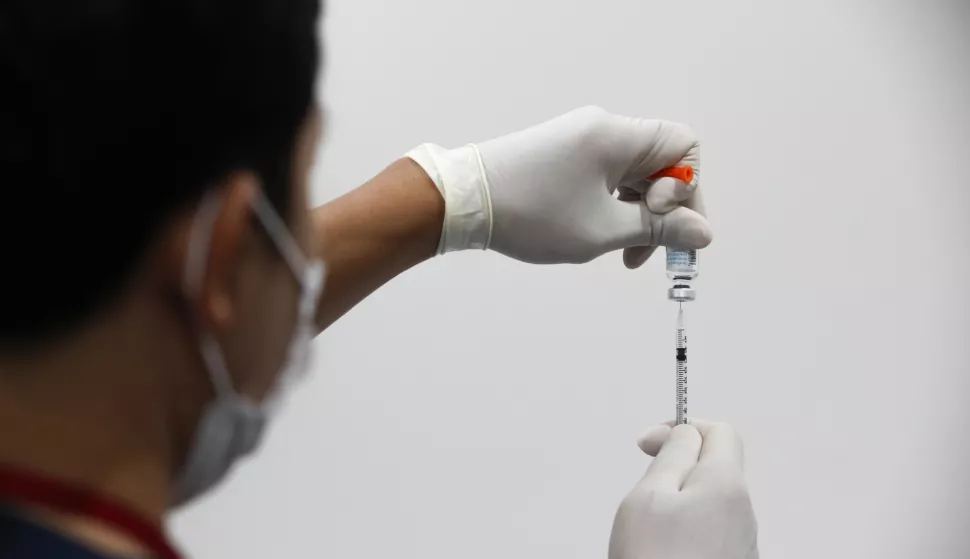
x=682 y=271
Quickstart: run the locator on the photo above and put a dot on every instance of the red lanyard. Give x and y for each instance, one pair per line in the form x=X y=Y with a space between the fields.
x=26 y=488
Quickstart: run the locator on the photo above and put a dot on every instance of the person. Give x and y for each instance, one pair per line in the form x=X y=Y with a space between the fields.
x=164 y=274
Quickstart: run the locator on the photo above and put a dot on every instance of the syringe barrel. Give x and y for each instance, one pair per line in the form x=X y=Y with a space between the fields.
x=681 y=368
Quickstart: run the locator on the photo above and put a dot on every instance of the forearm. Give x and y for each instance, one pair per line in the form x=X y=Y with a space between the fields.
x=375 y=232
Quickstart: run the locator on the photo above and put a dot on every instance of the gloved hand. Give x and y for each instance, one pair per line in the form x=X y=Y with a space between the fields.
x=692 y=503
x=545 y=195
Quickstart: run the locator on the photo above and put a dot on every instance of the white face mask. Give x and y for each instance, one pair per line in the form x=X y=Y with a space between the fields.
x=232 y=424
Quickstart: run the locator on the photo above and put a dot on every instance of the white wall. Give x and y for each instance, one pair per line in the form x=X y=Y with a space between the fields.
x=481 y=408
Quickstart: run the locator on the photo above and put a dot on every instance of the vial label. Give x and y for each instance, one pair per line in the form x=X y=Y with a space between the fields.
x=679 y=259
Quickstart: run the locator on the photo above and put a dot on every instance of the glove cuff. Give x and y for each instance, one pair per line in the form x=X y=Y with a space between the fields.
x=460 y=178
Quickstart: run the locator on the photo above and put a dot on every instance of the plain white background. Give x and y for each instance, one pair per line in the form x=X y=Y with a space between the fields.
x=478 y=408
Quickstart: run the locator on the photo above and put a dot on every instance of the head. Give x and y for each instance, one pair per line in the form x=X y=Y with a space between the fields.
x=118 y=119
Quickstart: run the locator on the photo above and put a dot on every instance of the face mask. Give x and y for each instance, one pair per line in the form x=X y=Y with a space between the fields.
x=232 y=425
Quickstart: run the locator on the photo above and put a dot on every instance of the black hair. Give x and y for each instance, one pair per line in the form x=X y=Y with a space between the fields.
x=117 y=114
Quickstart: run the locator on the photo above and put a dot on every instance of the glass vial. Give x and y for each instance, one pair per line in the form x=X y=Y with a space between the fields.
x=682 y=271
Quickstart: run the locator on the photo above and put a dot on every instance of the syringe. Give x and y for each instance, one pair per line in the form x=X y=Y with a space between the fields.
x=681 y=367
x=681 y=269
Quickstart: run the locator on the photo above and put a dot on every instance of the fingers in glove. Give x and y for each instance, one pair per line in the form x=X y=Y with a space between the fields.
x=653 y=439
x=696 y=201
x=634 y=257
x=676 y=459
x=640 y=147
x=667 y=193
x=721 y=455
x=634 y=225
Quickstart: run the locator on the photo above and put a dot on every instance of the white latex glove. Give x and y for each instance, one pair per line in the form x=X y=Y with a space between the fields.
x=545 y=195
x=692 y=503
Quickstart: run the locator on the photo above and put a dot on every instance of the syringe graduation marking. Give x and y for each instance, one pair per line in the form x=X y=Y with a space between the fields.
x=681 y=368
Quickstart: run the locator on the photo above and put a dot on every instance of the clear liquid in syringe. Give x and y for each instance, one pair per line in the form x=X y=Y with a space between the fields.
x=681 y=367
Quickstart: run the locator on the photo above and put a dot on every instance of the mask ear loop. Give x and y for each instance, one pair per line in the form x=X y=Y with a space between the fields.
x=281 y=236
x=308 y=272
x=200 y=241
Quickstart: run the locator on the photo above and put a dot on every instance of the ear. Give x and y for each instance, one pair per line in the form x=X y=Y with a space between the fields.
x=228 y=242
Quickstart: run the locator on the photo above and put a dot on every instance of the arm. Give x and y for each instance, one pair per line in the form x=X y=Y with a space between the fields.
x=543 y=195
x=375 y=232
